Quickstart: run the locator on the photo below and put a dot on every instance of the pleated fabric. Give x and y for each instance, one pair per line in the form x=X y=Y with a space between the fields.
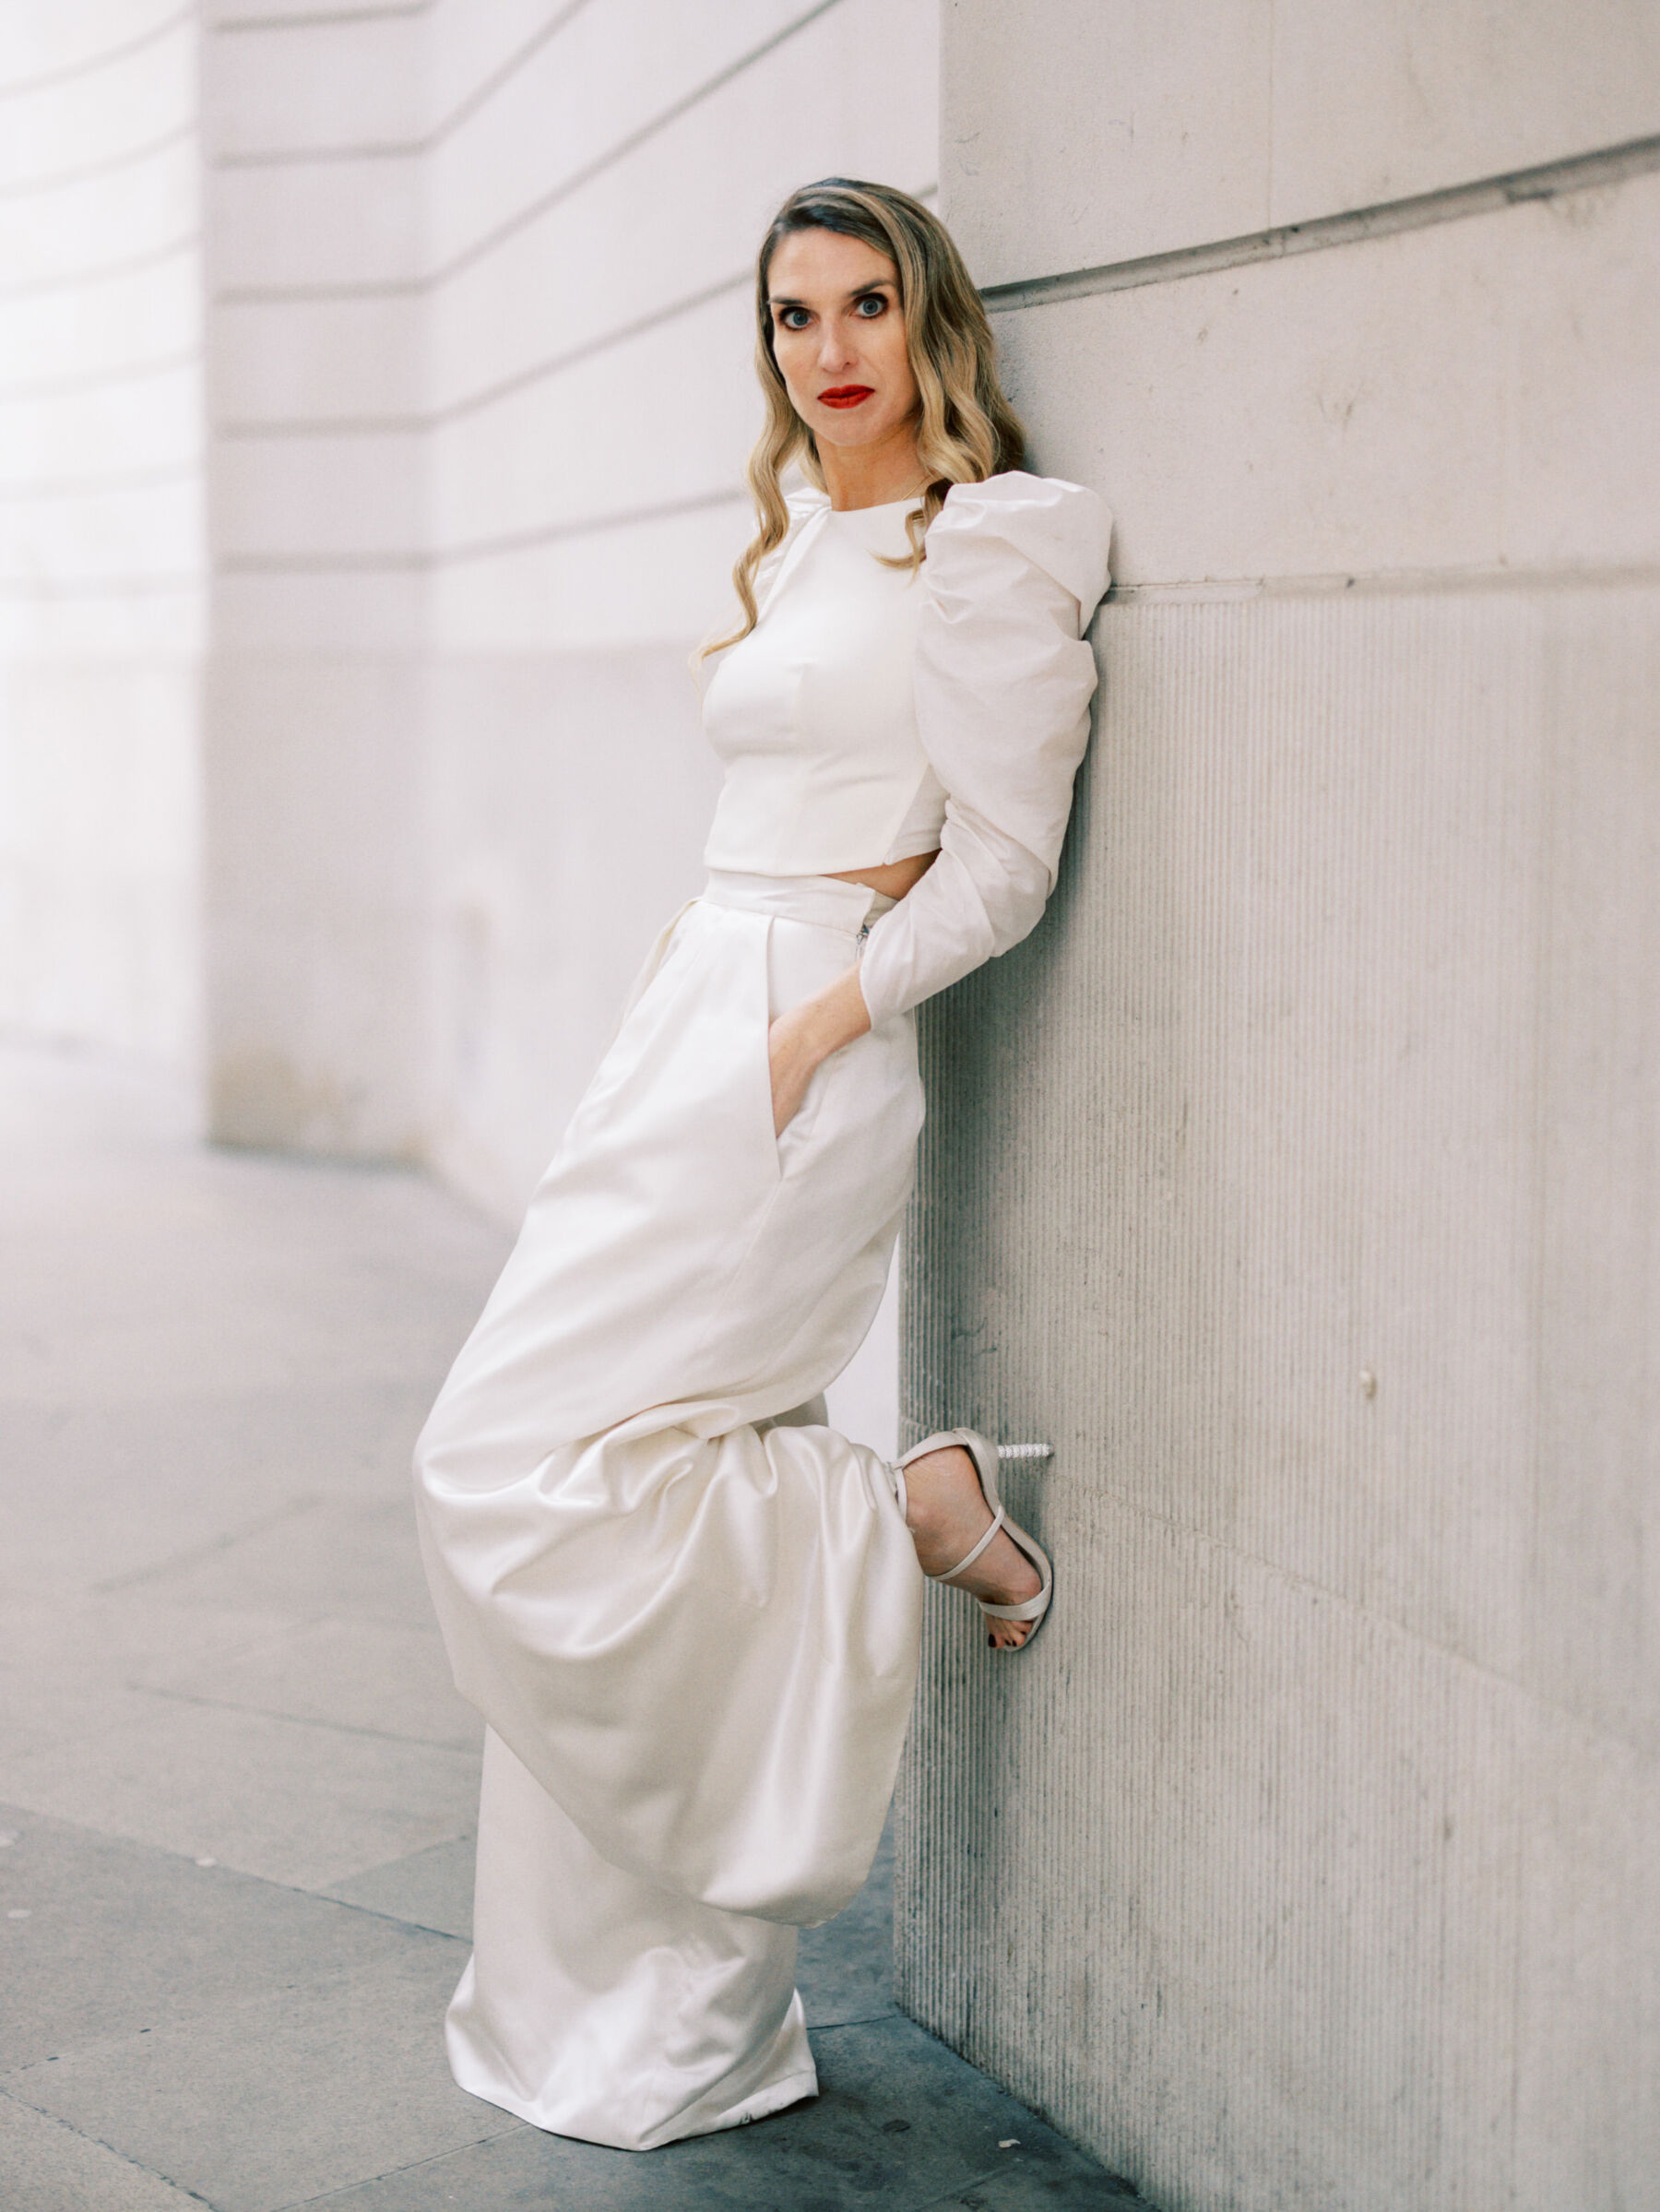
x=686 y=1607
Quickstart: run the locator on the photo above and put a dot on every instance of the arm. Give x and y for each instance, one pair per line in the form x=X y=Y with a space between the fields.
x=807 y=1034
x=1015 y=567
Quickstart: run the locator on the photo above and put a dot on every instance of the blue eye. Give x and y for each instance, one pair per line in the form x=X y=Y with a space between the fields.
x=788 y=321
x=874 y=303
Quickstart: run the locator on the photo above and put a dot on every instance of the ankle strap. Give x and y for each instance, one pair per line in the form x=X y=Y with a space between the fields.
x=969 y=1558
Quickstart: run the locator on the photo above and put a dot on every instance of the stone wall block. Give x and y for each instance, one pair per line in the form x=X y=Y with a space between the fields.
x=1294 y=1180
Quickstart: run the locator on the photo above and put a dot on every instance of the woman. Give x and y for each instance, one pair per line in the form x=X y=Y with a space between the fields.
x=687 y=1607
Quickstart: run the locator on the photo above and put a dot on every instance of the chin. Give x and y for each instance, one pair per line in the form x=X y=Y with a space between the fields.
x=857 y=427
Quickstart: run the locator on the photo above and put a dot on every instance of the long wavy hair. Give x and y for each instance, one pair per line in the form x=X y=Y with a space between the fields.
x=967 y=430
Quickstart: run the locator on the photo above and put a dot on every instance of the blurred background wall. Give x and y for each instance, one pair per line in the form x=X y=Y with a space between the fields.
x=375 y=397
x=479 y=324
x=103 y=587
x=1301 y=1178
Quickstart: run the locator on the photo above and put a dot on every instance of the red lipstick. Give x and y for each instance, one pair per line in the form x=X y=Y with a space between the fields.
x=846 y=395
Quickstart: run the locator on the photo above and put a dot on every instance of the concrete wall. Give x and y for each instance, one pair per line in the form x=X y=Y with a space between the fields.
x=313 y=128
x=480 y=338
x=101 y=527
x=599 y=179
x=1299 y=1179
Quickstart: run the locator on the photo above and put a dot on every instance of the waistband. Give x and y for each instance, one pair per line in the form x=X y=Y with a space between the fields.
x=818 y=900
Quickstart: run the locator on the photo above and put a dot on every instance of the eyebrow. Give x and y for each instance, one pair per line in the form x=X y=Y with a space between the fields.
x=779 y=299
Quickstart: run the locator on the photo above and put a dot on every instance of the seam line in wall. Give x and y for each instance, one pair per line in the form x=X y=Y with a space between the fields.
x=478 y=549
x=1451 y=203
x=60 y=181
x=106 y=272
x=319 y=157
x=323 y=19
x=507 y=386
x=93 y=487
x=111 y=54
x=133 y=372
x=486 y=90
x=487 y=243
x=298 y=295
x=252 y=430
x=107 y=587
x=1383 y=583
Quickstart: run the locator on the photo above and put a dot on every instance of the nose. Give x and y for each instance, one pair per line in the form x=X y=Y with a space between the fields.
x=836 y=350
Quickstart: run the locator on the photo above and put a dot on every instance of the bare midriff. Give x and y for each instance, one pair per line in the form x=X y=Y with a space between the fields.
x=892 y=878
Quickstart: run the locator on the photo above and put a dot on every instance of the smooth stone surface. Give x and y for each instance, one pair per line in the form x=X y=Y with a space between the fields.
x=1077 y=134
x=302 y=1805
x=122 y=1940
x=46 y=2167
x=380 y=1678
x=304 y=2089
x=1479 y=395
x=899 y=2124
x=430 y=1889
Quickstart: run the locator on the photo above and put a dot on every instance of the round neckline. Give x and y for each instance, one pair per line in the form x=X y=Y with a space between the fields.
x=883 y=507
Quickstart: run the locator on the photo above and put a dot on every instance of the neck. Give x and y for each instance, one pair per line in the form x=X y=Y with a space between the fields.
x=870 y=476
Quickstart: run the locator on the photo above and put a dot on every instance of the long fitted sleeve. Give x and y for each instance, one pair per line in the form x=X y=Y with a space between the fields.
x=1004 y=681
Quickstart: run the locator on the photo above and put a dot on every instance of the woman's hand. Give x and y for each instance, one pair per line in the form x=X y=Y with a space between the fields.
x=799 y=1041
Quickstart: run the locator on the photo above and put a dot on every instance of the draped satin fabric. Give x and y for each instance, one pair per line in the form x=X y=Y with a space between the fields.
x=687 y=1608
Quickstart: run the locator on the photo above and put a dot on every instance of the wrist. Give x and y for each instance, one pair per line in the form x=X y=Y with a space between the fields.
x=833 y=1018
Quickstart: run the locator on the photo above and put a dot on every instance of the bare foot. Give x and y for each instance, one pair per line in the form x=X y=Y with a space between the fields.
x=947 y=1513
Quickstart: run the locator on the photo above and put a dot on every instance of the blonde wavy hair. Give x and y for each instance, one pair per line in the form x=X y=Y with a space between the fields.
x=967 y=431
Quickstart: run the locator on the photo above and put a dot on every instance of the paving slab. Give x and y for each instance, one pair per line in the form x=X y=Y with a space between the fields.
x=295 y=2092
x=298 y=1803
x=309 y=1552
x=102 y=1938
x=46 y=2167
x=430 y=1889
x=900 y=2123
x=377 y=1676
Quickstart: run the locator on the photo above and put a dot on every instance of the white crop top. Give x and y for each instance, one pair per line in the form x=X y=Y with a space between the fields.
x=813 y=712
x=872 y=714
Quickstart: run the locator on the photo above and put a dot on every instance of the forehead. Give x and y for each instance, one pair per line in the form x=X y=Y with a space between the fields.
x=809 y=263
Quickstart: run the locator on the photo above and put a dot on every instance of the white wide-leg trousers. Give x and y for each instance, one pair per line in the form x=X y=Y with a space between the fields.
x=687 y=1608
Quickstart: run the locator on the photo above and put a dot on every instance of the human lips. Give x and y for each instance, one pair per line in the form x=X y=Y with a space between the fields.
x=846 y=395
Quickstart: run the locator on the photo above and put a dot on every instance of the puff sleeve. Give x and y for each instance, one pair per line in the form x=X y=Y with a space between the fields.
x=1015 y=568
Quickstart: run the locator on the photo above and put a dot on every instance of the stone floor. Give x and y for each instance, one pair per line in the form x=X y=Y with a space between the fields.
x=236 y=1788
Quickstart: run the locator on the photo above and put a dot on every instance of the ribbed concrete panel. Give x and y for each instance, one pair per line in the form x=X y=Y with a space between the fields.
x=1297 y=1180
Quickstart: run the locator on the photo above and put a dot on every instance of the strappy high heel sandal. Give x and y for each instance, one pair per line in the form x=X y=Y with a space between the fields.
x=985 y=1457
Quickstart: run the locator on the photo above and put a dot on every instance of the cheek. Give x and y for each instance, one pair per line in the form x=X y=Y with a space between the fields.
x=794 y=365
x=888 y=351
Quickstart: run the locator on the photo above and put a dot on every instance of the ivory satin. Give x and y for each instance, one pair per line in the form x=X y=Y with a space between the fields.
x=687 y=1608
x=872 y=713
